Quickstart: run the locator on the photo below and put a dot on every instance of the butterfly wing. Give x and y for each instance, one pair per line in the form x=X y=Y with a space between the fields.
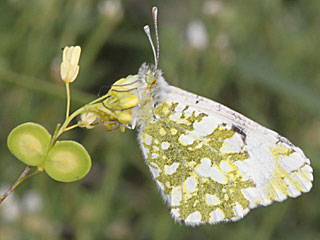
x=213 y=164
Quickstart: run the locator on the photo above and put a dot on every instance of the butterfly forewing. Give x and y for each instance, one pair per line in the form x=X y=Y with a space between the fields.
x=213 y=164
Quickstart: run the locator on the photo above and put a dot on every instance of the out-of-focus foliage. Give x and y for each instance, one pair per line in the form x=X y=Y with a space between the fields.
x=261 y=58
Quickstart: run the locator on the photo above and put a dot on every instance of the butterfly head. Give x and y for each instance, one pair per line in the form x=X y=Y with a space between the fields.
x=149 y=74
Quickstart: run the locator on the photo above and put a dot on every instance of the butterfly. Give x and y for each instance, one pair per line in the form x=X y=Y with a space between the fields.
x=210 y=163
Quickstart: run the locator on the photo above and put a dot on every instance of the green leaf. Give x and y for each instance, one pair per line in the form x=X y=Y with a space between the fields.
x=67 y=161
x=29 y=142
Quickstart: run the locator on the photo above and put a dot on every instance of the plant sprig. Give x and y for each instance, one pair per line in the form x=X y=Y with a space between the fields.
x=68 y=161
x=32 y=144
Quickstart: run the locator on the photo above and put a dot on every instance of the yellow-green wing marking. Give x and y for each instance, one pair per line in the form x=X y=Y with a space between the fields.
x=209 y=170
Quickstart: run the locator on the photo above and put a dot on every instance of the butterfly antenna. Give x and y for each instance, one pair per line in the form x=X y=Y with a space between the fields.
x=155 y=22
x=146 y=29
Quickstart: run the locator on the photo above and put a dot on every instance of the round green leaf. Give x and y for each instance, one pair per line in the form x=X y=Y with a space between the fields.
x=29 y=142
x=67 y=161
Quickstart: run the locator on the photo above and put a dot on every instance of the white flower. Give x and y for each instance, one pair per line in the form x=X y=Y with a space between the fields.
x=197 y=36
x=86 y=119
x=69 y=67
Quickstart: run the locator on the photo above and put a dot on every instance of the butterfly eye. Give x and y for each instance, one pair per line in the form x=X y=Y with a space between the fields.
x=150 y=79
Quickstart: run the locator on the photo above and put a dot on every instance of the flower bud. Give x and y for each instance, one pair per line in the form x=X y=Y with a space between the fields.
x=125 y=117
x=86 y=119
x=129 y=101
x=69 y=67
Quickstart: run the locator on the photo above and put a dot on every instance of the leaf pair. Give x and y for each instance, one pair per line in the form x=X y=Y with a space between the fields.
x=66 y=161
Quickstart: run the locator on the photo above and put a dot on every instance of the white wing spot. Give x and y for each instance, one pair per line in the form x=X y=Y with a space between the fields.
x=217 y=215
x=175 y=212
x=165 y=145
x=194 y=217
x=146 y=151
x=175 y=117
x=232 y=145
x=225 y=166
x=153 y=164
x=206 y=170
x=190 y=184
x=238 y=210
x=176 y=196
x=251 y=195
x=171 y=169
x=205 y=126
x=147 y=139
x=186 y=139
x=212 y=199
x=155 y=172
x=154 y=155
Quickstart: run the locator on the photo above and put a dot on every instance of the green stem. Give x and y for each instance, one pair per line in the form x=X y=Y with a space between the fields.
x=71 y=127
x=64 y=126
x=67 y=122
x=21 y=178
x=68 y=100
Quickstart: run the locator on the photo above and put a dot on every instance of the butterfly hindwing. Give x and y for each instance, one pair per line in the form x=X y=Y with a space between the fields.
x=212 y=168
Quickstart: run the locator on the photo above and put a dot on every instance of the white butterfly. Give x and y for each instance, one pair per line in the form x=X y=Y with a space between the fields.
x=210 y=163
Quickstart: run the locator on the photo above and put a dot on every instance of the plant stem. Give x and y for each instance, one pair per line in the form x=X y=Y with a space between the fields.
x=68 y=100
x=71 y=127
x=64 y=126
x=21 y=178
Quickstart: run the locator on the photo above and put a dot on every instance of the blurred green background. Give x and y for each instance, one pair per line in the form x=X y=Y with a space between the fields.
x=260 y=58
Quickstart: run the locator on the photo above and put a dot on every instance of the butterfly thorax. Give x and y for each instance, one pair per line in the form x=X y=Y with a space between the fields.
x=150 y=92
